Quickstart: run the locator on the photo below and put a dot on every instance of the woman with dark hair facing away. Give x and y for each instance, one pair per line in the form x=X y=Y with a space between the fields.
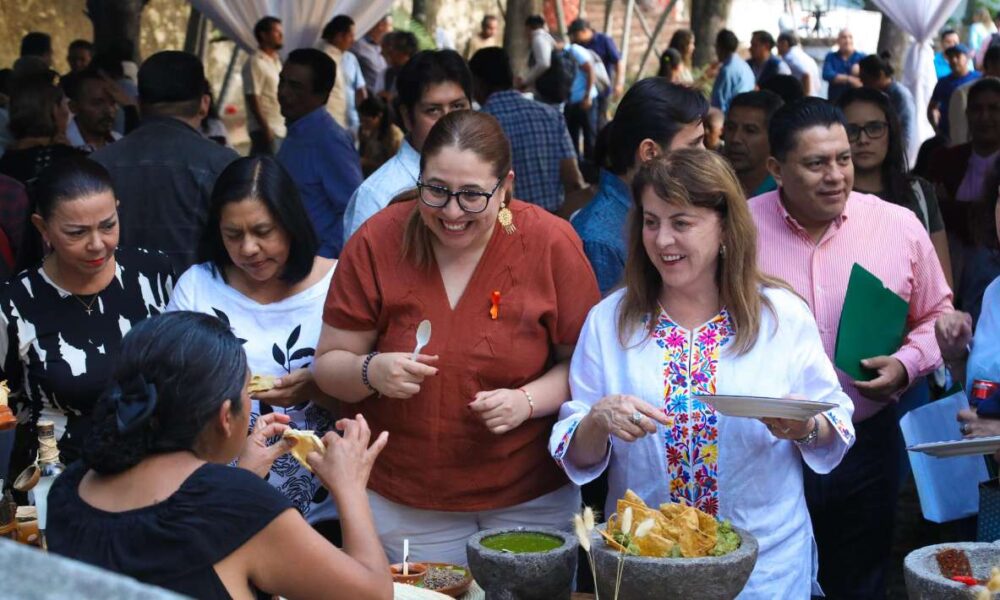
x=653 y=118
x=378 y=137
x=505 y=286
x=876 y=73
x=154 y=499
x=879 y=156
x=671 y=66
x=63 y=316
x=39 y=114
x=260 y=274
x=696 y=317
x=683 y=42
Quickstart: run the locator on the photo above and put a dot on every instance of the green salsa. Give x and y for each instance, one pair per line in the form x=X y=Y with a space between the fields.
x=727 y=541
x=521 y=543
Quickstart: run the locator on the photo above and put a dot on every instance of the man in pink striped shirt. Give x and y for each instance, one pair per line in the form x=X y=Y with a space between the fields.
x=812 y=231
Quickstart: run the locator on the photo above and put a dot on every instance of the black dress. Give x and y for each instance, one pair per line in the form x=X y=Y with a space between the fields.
x=25 y=165
x=58 y=358
x=173 y=544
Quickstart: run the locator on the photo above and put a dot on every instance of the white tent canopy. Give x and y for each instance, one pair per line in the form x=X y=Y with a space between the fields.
x=303 y=20
x=921 y=19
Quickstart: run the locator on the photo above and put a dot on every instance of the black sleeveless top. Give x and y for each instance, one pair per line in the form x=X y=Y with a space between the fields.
x=174 y=543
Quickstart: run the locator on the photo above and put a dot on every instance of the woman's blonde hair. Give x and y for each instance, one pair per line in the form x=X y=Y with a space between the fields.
x=697 y=177
x=465 y=130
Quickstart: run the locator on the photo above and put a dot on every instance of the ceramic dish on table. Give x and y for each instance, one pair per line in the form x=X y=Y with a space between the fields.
x=456 y=589
x=756 y=407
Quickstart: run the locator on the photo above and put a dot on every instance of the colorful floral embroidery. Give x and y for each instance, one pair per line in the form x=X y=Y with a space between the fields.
x=564 y=443
x=690 y=363
x=845 y=433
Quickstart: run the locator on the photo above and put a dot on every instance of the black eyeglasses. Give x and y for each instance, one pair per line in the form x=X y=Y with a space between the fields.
x=470 y=201
x=873 y=129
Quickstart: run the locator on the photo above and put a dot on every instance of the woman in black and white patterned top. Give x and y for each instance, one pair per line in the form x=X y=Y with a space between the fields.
x=62 y=321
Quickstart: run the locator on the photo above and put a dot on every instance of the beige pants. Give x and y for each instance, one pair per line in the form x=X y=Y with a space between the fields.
x=440 y=536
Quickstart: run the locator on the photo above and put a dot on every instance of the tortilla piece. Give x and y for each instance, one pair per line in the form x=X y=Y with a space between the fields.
x=261 y=383
x=305 y=442
x=633 y=498
x=655 y=545
x=611 y=541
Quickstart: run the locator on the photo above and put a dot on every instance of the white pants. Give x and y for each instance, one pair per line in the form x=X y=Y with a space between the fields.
x=440 y=536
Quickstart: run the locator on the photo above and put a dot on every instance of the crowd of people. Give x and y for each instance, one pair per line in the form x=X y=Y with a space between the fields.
x=593 y=258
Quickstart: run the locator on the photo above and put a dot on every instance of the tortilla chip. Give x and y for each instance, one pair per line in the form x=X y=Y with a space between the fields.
x=305 y=442
x=261 y=383
x=708 y=525
x=655 y=545
x=633 y=498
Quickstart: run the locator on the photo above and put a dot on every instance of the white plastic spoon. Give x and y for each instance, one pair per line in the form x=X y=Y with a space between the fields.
x=406 y=542
x=423 y=336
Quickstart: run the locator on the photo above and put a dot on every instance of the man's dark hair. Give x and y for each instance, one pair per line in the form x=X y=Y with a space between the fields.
x=727 y=41
x=764 y=37
x=787 y=86
x=36 y=43
x=81 y=45
x=172 y=82
x=790 y=38
x=491 y=67
x=264 y=26
x=577 y=26
x=653 y=108
x=264 y=179
x=402 y=41
x=992 y=57
x=431 y=67
x=487 y=19
x=337 y=25
x=72 y=83
x=874 y=65
x=948 y=32
x=322 y=67
x=769 y=102
x=984 y=85
x=535 y=22
x=791 y=119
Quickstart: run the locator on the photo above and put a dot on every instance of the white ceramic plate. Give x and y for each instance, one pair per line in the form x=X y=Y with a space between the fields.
x=970 y=447
x=757 y=408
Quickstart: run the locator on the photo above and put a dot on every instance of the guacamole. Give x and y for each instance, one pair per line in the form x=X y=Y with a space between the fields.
x=727 y=541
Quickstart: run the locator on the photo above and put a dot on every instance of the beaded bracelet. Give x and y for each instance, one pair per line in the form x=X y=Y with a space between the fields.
x=531 y=402
x=364 y=372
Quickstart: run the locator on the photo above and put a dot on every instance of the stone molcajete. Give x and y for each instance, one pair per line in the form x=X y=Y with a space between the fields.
x=538 y=563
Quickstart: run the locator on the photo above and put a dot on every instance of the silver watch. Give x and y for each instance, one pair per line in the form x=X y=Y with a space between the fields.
x=810 y=438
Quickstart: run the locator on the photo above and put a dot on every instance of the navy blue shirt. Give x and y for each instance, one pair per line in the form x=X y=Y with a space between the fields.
x=601 y=225
x=320 y=157
x=605 y=47
x=834 y=65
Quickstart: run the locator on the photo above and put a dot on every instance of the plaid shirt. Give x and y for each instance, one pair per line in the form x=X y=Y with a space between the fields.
x=539 y=141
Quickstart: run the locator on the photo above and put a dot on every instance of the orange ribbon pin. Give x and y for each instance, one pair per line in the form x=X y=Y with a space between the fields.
x=495 y=309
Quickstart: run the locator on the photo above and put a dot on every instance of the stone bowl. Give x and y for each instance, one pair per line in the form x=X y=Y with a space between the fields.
x=649 y=578
x=923 y=576
x=528 y=576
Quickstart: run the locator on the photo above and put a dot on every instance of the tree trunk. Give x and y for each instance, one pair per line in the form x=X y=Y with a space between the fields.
x=894 y=40
x=116 y=20
x=707 y=19
x=515 y=41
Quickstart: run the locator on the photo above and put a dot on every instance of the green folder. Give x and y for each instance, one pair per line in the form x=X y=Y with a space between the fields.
x=873 y=323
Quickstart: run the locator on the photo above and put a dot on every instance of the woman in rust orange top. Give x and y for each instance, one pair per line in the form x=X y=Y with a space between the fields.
x=506 y=287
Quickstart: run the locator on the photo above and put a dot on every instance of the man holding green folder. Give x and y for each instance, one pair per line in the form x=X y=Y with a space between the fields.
x=869 y=273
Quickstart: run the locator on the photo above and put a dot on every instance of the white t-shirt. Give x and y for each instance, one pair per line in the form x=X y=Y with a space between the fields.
x=278 y=338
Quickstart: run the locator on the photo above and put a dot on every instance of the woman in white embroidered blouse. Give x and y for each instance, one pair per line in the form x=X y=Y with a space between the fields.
x=697 y=317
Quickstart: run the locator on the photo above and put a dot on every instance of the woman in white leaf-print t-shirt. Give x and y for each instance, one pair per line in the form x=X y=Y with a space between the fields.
x=261 y=275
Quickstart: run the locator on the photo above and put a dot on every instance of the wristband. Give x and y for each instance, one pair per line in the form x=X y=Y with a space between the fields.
x=531 y=402
x=364 y=372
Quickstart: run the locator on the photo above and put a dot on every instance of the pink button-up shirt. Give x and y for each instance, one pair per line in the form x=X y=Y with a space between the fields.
x=885 y=239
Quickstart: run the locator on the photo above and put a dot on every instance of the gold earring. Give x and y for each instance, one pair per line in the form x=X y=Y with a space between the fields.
x=506 y=220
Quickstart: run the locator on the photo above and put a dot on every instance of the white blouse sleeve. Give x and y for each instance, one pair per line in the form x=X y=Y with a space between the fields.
x=587 y=387
x=183 y=295
x=817 y=380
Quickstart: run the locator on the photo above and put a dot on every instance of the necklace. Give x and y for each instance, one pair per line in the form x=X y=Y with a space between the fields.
x=87 y=306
